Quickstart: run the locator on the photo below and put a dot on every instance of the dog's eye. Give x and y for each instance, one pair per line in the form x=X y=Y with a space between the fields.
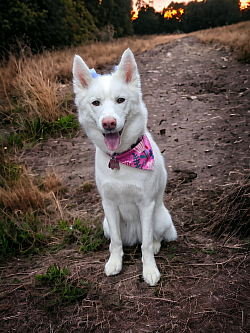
x=120 y=100
x=96 y=103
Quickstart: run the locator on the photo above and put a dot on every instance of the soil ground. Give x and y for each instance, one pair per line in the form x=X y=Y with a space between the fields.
x=198 y=101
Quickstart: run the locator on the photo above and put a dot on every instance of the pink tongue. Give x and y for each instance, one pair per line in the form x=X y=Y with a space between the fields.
x=112 y=140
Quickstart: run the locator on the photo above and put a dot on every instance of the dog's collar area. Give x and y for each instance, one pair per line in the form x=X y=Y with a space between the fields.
x=113 y=163
x=140 y=156
x=131 y=147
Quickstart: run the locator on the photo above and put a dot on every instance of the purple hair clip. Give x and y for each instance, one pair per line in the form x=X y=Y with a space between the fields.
x=95 y=75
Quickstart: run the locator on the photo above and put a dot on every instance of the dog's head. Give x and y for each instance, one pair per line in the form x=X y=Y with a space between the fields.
x=110 y=106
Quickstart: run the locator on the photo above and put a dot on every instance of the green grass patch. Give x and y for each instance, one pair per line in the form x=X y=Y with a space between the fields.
x=91 y=239
x=37 y=130
x=88 y=237
x=59 y=288
x=29 y=235
x=23 y=238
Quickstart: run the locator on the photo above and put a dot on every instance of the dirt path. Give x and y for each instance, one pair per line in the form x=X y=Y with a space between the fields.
x=198 y=99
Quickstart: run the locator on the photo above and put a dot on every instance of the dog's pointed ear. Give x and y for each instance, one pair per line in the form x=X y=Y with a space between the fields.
x=81 y=73
x=127 y=68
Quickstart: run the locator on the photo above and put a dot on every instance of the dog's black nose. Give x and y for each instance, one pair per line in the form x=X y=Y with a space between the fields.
x=109 y=123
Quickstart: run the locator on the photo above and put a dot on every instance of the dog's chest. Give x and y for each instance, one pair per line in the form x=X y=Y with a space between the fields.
x=127 y=197
x=121 y=192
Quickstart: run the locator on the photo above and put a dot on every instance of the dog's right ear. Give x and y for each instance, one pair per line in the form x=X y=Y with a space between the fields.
x=81 y=72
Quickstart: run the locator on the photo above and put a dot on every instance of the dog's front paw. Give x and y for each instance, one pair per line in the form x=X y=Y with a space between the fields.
x=113 y=267
x=151 y=274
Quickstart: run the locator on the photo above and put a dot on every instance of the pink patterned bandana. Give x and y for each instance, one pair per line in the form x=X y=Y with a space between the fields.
x=140 y=157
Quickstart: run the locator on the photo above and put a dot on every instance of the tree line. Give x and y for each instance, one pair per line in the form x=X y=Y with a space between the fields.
x=55 y=23
x=188 y=17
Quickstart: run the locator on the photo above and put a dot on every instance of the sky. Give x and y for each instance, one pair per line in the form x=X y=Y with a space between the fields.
x=160 y=4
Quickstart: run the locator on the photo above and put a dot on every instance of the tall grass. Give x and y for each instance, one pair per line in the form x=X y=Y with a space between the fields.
x=19 y=192
x=24 y=195
x=235 y=36
x=29 y=87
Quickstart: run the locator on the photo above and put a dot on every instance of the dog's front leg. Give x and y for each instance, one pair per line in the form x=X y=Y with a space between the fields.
x=151 y=273
x=114 y=264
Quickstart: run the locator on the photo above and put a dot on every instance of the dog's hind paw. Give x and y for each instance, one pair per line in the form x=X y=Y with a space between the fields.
x=170 y=234
x=157 y=246
x=151 y=274
x=113 y=267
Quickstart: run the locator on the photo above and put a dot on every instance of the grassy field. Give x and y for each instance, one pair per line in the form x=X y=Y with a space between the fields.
x=236 y=37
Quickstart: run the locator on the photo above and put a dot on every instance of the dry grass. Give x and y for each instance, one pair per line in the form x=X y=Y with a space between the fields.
x=33 y=86
x=51 y=182
x=19 y=191
x=231 y=214
x=23 y=196
x=29 y=85
x=236 y=36
x=97 y=55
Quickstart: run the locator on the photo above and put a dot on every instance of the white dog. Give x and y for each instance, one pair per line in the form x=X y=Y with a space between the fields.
x=130 y=171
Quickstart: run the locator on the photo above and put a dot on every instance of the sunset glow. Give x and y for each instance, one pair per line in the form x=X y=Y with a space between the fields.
x=134 y=15
x=170 y=13
x=160 y=4
x=243 y=4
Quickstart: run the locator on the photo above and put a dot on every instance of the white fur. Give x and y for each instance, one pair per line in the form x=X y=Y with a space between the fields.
x=132 y=198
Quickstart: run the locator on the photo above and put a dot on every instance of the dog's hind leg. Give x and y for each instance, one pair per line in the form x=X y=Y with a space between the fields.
x=170 y=233
x=106 y=228
x=163 y=225
x=156 y=245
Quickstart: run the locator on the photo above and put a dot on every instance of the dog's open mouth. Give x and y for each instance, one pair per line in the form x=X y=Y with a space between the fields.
x=112 y=140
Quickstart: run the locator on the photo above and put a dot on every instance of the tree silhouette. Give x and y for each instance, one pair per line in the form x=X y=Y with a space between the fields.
x=197 y=15
x=147 y=21
x=56 y=23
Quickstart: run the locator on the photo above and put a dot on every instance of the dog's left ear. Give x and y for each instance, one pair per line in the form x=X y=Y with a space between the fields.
x=127 y=68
